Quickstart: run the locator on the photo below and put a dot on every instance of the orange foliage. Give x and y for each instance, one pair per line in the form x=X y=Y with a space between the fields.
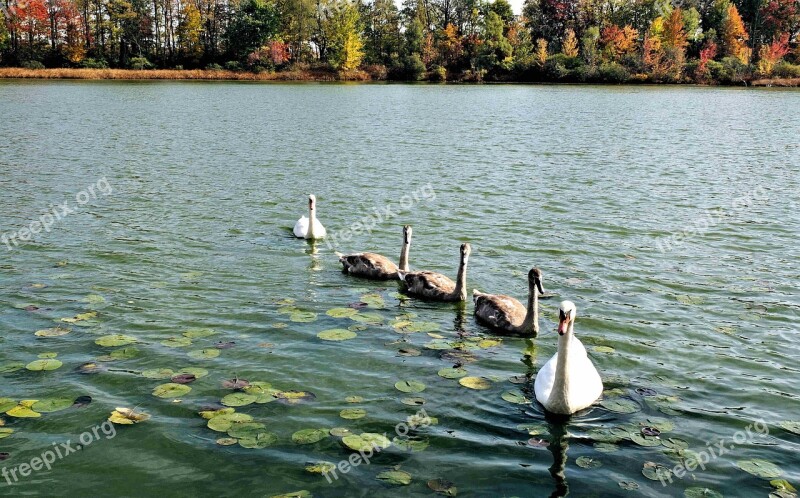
x=734 y=35
x=617 y=41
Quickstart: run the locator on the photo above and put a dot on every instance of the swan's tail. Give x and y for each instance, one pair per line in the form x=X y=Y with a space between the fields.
x=476 y=294
x=339 y=255
x=402 y=275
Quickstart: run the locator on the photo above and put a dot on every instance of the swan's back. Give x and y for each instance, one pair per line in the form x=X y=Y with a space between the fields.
x=428 y=284
x=301 y=227
x=499 y=311
x=369 y=265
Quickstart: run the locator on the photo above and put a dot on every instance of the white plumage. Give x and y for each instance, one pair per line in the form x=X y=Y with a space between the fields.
x=310 y=227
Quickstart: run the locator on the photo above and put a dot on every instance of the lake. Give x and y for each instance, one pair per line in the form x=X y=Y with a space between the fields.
x=667 y=214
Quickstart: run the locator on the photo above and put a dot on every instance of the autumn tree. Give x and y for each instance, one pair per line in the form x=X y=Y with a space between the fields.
x=734 y=35
x=541 y=52
x=770 y=54
x=617 y=42
x=345 y=50
x=189 y=30
x=569 y=46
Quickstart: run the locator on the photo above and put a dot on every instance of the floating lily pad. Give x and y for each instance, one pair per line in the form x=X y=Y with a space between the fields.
x=90 y=368
x=235 y=383
x=223 y=423
x=443 y=487
x=171 y=390
x=204 y=354
x=294 y=494
x=7 y=404
x=309 y=436
x=791 y=426
x=53 y=332
x=603 y=435
x=245 y=430
x=409 y=352
x=373 y=300
x=409 y=386
x=259 y=441
x=294 y=397
x=478 y=383
x=411 y=444
x=127 y=416
x=698 y=492
x=5 y=432
x=80 y=317
x=11 y=367
x=44 y=365
x=782 y=485
x=158 y=373
x=124 y=353
x=196 y=371
x=354 y=399
x=489 y=343
x=47 y=356
x=321 y=467
x=413 y=401
x=585 y=462
x=603 y=349
x=52 y=405
x=452 y=373
x=516 y=397
x=303 y=316
x=533 y=429
x=209 y=414
x=643 y=440
x=23 y=410
x=760 y=468
x=336 y=335
x=199 y=333
x=115 y=340
x=656 y=472
x=353 y=413
x=341 y=312
x=438 y=344
x=628 y=485
x=367 y=441
x=227 y=441
x=662 y=424
x=177 y=342
x=675 y=443
x=620 y=405
x=340 y=432
x=239 y=399
x=606 y=447
x=94 y=299
x=395 y=477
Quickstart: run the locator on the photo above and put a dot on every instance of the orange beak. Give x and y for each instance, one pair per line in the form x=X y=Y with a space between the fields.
x=563 y=325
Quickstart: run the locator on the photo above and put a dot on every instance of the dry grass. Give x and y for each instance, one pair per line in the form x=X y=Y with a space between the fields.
x=174 y=74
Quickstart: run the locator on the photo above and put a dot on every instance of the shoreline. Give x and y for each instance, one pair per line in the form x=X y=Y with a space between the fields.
x=284 y=76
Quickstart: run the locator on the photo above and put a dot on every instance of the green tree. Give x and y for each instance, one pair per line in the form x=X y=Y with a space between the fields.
x=496 y=51
x=252 y=25
x=343 y=31
x=298 y=21
x=384 y=41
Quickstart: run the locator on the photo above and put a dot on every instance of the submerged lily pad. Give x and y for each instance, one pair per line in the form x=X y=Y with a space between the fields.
x=354 y=399
x=321 y=467
x=353 y=413
x=368 y=317
x=409 y=386
x=411 y=443
x=259 y=441
x=309 y=436
x=44 y=365
x=11 y=367
x=341 y=312
x=199 y=333
x=620 y=405
x=115 y=340
x=760 y=468
x=395 y=477
x=124 y=353
x=606 y=447
x=241 y=430
x=53 y=332
x=478 y=383
x=452 y=373
x=443 y=487
x=585 y=462
x=698 y=492
x=171 y=390
x=294 y=494
x=516 y=397
x=337 y=335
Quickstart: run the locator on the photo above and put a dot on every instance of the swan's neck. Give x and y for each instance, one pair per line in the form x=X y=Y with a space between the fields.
x=312 y=220
x=559 y=396
x=404 y=256
x=532 y=316
x=460 y=292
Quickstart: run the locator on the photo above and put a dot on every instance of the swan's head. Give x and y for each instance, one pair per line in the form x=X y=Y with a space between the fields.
x=407 y=234
x=465 y=252
x=535 y=279
x=312 y=201
x=566 y=315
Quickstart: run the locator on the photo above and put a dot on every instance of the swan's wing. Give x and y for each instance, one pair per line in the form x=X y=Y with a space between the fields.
x=586 y=385
x=428 y=282
x=319 y=230
x=301 y=227
x=499 y=311
x=368 y=264
x=545 y=379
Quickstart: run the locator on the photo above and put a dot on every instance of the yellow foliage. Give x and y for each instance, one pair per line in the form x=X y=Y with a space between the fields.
x=353 y=51
x=570 y=45
x=541 y=51
x=734 y=35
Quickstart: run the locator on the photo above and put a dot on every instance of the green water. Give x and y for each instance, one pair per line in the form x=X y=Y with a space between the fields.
x=207 y=180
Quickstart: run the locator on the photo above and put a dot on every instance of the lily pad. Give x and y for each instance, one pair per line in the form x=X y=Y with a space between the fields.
x=259 y=441
x=603 y=349
x=11 y=367
x=127 y=416
x=489 y=343
x=44 y=365
x=516 y=397
x=309 y=436
x=367 y=441
x=52 y=405
x=177 y=342
x=606 y=447
x=643 y=440
x=760 y=468
x=409 y=386
x=199 y=333
x=227 y=441
x=240 y=430
x=94 y=299
x=698 y=492
x=171 y=390
x=656 y=472
x=368 y=317
x=791 y=426
x=628 y=485
x=7 y=404
x=204 y=354
x=236 y=383
x=443 y=487
x=158 y=373
x=395 y=477
x=675 y=443
x=341 y=312
x=411 y=443
x=452 y=373
x=585 y=462
x=620 y=405
x=115 y=340
x=294 y=397
x=321 y=467
x=5 y=432
x=353 y=413
x=53 y=332
x=413 y=401
x=438 y=344
x=340 y=432
x=239 y=399
x=223 y=423
x=124 y=353
x=294 y=494
x=478 y=383
x=303 y=316
x=373 y=300
x=23 y=410
x=336 y=335
x=354 y=399
x=196 y=371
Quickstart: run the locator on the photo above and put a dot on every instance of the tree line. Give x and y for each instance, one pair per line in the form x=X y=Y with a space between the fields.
x=725 y=41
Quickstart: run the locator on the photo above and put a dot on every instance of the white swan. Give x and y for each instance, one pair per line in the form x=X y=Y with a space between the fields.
x=310 y=228
x=569 y=382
